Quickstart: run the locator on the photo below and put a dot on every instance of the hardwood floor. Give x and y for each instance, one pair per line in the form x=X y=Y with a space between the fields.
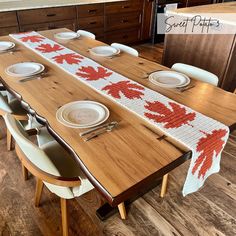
x=211 y=211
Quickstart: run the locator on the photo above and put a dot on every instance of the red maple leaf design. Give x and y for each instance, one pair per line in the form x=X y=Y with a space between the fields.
x=45 y=48
x=70 y=58
x=32 y=39
x=91 y=73
x=130 y=90
x=208 y=145
x=173 y=118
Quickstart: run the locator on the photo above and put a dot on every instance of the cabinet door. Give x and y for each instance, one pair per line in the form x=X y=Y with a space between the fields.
x=8 y=30
x=8 y=19
x=147 y=20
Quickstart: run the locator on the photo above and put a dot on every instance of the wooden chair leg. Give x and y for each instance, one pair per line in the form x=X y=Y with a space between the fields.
x=122 y=210
x=9 y=141
x=38 y=192
x=64 y=217
x=24 y=172
x=164 y=185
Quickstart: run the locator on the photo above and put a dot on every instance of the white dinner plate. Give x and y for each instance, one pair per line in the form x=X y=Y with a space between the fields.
x=66 y=35
x=25 y=69
x=6 y=45
x=169 y=79
x=82 y=114
x=104 y=51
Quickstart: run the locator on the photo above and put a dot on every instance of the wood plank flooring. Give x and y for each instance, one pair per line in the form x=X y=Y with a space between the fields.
x=211 y=211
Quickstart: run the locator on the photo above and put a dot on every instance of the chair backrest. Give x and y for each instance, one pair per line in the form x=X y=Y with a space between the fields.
x=4 y=107
x=196 y=73
x=126 y=49
x=33 y=153
x=86 y=34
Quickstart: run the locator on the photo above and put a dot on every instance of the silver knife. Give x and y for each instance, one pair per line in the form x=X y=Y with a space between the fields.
x=96 y=128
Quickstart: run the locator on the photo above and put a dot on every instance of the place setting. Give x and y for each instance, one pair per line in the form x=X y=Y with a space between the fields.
x=170 y=80
x=7 y=47
x=88 y=115
x=104 y=51
x=66 y=36
x=26 y=71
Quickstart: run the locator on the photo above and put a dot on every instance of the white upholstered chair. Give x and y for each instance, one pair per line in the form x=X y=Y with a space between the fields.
x=86 y=34
x=14 y=107
x=51 y=165
x=196 y=73
x=126 y=49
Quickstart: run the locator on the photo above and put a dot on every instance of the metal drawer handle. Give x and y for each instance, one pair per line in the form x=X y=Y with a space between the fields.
x=125 y=7
x=92 y=10
x=50 y=15
x=124 y=21
x=93 y=23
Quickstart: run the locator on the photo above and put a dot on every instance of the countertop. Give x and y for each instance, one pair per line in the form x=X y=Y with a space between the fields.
x=226 y=12
x=12 y=5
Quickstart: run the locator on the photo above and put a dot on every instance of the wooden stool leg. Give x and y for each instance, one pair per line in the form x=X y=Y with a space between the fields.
x=38 y=192
x=64 y=217
x=122 y=211
x=164 y=185
x=24 y=172
x=9 y=141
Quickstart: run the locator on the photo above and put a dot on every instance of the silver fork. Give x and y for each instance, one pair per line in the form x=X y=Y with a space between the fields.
x=40 y=76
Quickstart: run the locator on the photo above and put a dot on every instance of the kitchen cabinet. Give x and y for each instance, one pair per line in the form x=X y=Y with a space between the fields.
x=8 y=23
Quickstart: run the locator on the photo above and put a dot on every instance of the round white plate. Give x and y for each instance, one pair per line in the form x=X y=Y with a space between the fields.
x=82 y=114
x=104 y=51
x=25 y=69
x=6 y=45
x=169 y=79
x=66 y=35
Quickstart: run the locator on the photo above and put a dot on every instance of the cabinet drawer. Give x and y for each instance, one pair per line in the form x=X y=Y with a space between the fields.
x=122 y=21
x=90 y=10
x=46 y=15
x=122 y=7
x=69 y=24
x=91 y=22
x=126 y=37
x=8 y=19
x=8 y=30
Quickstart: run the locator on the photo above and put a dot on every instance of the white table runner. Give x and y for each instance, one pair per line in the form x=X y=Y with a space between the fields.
x=204 y=136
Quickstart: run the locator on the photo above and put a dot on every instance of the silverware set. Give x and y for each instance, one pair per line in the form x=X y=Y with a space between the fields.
x=33 y=77
x=101 y=129
x=185 y=88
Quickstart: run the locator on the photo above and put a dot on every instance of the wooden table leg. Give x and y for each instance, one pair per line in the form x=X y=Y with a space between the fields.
x=164 y=185
x=122 y=210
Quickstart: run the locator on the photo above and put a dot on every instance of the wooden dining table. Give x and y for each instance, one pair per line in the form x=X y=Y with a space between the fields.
x=125 y=162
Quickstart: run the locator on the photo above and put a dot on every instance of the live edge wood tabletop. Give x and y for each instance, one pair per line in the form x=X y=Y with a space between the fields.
x=128 y=159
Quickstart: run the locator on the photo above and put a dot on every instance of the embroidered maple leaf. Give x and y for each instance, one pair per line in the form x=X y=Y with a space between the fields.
x=45 y=48
x=70 y=58
x=208 y=146
x=91 y=73
x=32 y=39
x=130 y=90
x=173 y=118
